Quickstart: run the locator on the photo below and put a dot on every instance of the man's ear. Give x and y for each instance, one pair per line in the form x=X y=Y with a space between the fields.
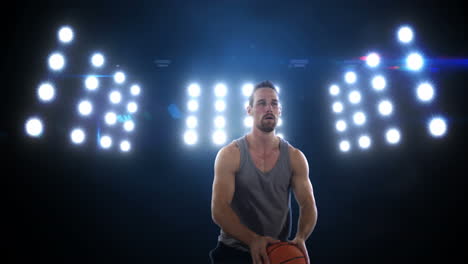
x=249 y=109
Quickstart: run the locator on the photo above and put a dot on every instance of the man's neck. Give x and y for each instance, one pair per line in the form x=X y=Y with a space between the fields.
x=262 y=141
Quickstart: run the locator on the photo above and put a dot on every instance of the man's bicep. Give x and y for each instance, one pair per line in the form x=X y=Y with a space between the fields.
x=223 y=183
x=301 y=184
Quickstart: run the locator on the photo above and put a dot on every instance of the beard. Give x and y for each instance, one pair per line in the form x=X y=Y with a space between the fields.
x=267 y=126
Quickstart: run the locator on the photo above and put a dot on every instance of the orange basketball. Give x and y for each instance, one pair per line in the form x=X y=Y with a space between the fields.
x=284 y=252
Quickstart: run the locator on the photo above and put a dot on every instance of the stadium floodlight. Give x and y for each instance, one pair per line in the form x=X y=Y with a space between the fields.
x=46 y=92
x=337 y=107
x=105 y=141
x=34 y=127
x=191 y=122
x=437 y=127
x=248 y=121
x=247 y=89
x=378 y=83
x=414 y=61
x=194 y=90
x=340 y=125
x=350 y=77
x=373 y=60
x=354 y=97
x=393 y=136
x=425 y=92
x=220 y=105
x=334 y=90
x=77 y=136
x=125 y=146
x=385 y=107
x=115 y=97
x=135 y=90
x=190 y=137
x=220 y=122
x=192 y=105
x=219 y=137
x=129 y=125
x=132 y=107
x=119 y=77
x=97 y=60
x=65 y=34
x=405 y=34
x=220 y=90
x=91 y=83
x=359 y=118
x=345 y=146
x=110 y=118
x=364 y=141
x=85 y=107
x=56 y=61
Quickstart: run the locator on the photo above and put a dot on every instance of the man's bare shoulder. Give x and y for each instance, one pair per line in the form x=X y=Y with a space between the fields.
x=293 y=151
x=229 y=156
x=232 y=149
x=297 y=157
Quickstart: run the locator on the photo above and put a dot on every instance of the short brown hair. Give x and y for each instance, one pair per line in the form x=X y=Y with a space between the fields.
x=263 y=84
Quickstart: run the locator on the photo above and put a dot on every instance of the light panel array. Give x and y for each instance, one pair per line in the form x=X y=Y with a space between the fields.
x=348 y=99
x=219 y=123
x=116 y=125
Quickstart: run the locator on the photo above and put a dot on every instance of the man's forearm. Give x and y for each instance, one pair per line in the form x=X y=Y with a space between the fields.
x=229 y=221
x=307 y=221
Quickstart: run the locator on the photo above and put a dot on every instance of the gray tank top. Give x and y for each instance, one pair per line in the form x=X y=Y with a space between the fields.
x=262 y=200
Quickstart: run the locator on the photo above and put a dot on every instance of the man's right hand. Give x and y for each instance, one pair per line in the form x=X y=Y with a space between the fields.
x=258 y=249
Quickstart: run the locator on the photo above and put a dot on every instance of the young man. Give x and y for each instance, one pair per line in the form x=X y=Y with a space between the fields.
x=253 y=179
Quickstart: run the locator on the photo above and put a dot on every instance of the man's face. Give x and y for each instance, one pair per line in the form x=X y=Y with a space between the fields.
x=265 y=109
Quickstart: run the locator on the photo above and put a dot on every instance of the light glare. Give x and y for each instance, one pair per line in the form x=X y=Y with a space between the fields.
x=65 y=34
x=56 y=61
x=437 y=127
x=425 y=92
x=77 y=136
x=405 y=34
x=119 y=77
x=350 y=77
x=97 y=60
x=91 y=83
x=414 y=62
x=194 y=90
x=85 y=107
x=106 y=142
x=115 y=97
x=334 y=90
x=132 y=107
x=378 y=83
x=373 y=60
x=34 y=127
x=110 y=118
x=190 y=137
x=220 y=90
x=393 y=136
x=385 y=108
x=46 y=92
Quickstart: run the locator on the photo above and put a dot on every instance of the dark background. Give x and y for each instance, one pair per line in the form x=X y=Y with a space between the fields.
x=64 y=204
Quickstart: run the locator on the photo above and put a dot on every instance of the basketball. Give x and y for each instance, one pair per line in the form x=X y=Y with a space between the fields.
x=284 y=252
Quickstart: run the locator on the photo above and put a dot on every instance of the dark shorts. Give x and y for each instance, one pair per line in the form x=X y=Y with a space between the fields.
x=223 y=254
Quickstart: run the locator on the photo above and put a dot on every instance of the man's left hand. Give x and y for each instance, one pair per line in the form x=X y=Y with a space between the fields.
x=301 y=244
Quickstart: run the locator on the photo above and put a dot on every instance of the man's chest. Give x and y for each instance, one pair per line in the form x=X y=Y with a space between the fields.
x=265 y=161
